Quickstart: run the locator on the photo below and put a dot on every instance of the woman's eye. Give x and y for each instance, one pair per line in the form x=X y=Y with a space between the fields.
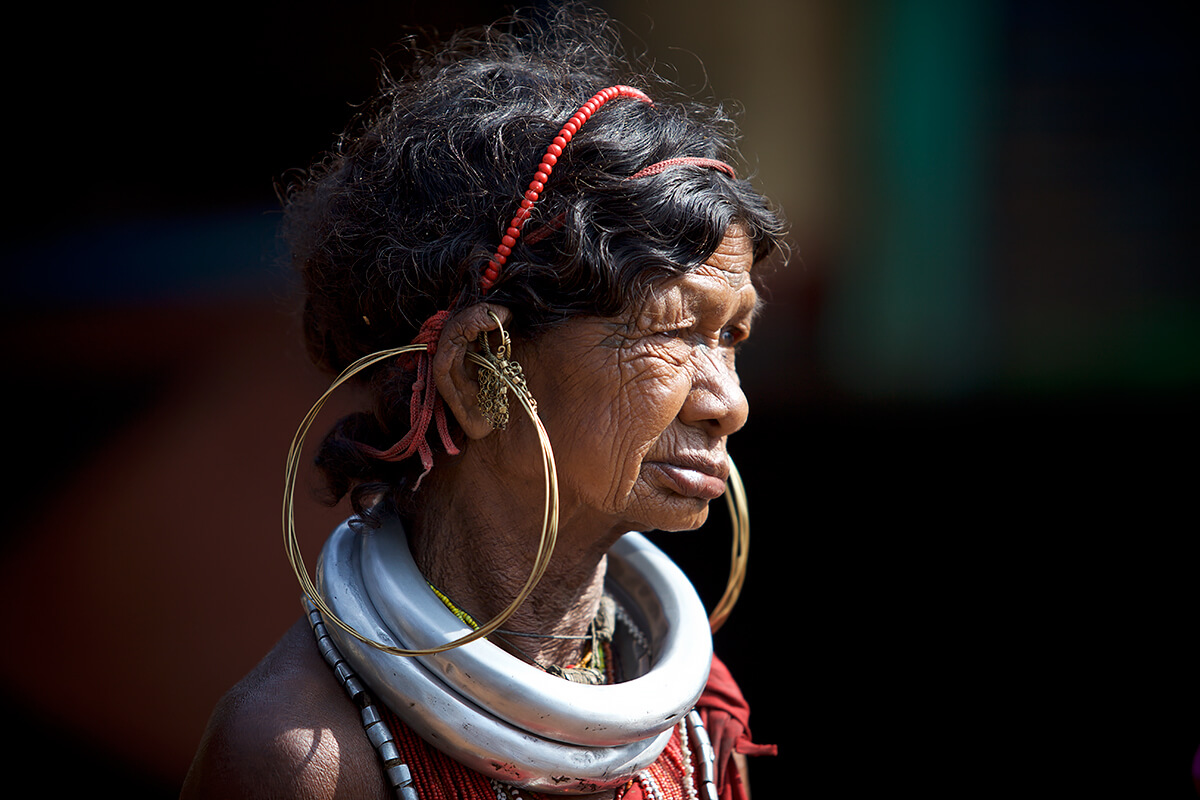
x=732 y=337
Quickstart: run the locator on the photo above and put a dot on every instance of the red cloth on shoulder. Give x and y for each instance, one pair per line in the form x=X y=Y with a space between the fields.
x=726 y=717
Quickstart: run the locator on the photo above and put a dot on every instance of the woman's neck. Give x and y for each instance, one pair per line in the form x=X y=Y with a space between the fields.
x=477 y=545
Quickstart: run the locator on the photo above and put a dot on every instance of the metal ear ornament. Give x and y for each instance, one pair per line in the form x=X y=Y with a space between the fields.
x=493 y=390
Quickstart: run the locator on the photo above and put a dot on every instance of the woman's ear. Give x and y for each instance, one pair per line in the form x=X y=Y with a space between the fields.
x=456 y=379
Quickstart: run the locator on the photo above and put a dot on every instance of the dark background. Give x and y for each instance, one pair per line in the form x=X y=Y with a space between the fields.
x=971 y=455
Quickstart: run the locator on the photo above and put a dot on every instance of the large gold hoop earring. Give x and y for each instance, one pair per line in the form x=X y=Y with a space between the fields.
x=735 y=499
x=549 y=519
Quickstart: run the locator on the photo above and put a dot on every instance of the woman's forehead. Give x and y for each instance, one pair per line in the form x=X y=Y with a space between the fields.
x=735 y=253
x=721 y=288
x=721 y=285
x=726 y=271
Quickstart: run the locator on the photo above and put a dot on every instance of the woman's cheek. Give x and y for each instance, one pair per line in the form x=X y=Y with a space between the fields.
x=655 y=394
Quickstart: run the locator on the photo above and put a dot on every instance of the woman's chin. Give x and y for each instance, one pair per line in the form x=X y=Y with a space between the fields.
x=675 y=513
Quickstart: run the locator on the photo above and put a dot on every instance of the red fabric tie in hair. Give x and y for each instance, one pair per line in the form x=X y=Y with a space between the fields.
x=424 y=406
x=685 y=161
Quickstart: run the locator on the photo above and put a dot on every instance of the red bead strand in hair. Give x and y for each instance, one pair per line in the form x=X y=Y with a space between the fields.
x=509 y=240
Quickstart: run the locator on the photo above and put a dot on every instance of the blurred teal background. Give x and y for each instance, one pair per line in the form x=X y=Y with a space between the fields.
x=972 y=394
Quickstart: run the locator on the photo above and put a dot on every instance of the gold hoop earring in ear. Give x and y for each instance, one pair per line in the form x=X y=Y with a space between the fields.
x=494 y=381
x=735 y=499
x=549 y=518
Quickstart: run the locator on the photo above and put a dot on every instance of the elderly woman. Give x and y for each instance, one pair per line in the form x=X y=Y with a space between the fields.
x=575 y=261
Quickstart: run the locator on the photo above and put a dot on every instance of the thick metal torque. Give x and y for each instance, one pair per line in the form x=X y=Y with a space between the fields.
x=468 y=731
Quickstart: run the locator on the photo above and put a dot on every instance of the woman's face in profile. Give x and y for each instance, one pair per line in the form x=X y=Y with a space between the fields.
x=638 y=407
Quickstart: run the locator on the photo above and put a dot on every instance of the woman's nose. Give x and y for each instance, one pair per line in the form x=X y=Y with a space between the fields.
x=716 y=401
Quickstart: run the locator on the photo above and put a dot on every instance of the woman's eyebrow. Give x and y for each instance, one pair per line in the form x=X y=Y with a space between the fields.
x=695 y=306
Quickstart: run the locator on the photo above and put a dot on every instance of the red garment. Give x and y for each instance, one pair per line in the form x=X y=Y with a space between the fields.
x=726 y=715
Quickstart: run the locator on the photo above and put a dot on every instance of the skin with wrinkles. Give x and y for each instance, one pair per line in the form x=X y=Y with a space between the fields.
x=638 y=409
x=660 y=388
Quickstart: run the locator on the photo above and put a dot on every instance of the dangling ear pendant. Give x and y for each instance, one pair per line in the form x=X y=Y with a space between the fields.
x=493 y=393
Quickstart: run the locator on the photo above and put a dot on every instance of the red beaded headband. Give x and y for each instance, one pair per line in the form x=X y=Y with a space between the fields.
x=509 y=240
x=543 y=174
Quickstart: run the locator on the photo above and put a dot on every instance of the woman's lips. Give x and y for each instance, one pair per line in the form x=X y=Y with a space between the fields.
x=693 y=480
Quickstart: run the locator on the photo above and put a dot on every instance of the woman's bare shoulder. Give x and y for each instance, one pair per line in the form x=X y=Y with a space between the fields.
x=286 y=730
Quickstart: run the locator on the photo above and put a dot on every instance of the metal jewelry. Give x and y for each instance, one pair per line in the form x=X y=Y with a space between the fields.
x=705 y=756
x=493 y=390
x=292 y=545
x=541 y=728
x=397 y=772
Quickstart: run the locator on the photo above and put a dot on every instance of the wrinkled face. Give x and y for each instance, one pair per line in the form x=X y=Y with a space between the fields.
x=639 y=408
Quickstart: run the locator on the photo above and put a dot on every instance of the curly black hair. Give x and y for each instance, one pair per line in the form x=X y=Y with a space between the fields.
x=399 y=221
